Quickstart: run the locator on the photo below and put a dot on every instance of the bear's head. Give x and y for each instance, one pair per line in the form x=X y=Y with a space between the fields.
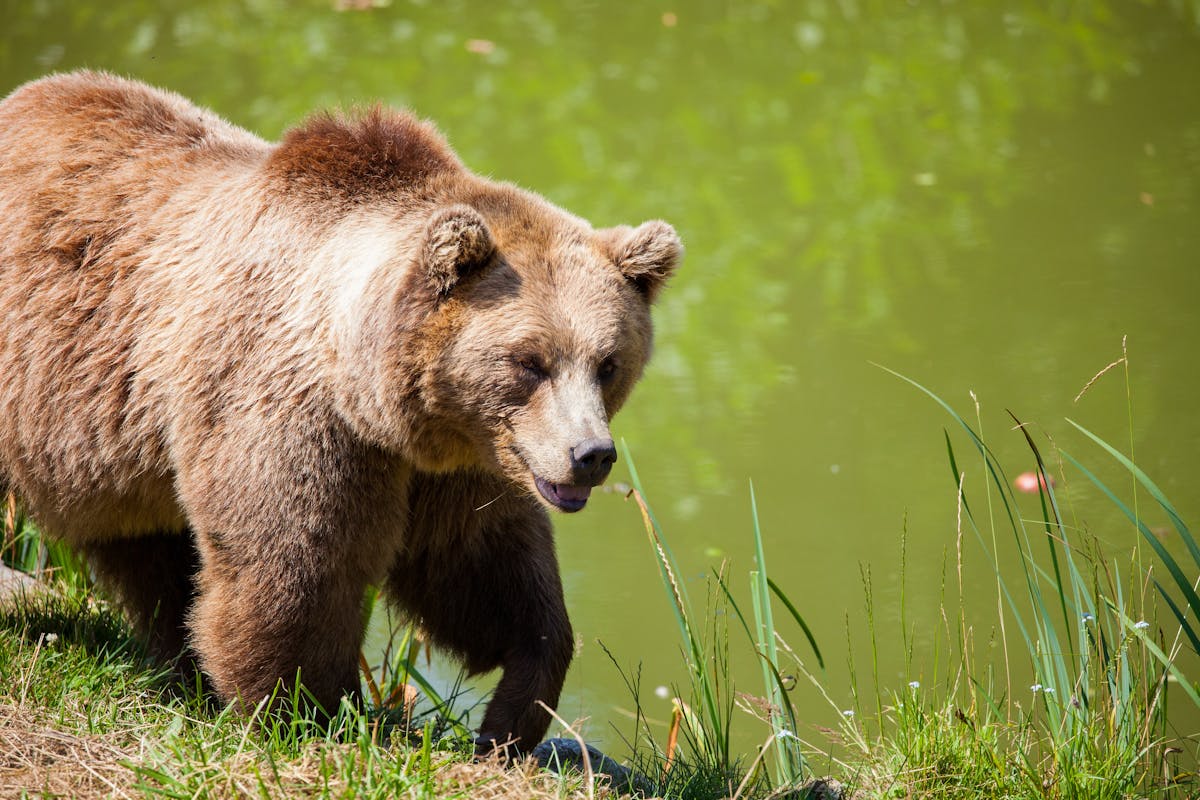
x=514 y=332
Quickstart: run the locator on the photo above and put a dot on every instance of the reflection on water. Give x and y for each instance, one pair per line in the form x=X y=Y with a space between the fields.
x=984 y=199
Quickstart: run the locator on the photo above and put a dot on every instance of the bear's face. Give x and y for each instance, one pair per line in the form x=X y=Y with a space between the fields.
x=544 y=328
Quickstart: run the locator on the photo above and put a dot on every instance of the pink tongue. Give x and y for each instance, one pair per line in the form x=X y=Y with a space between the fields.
x=572 y=493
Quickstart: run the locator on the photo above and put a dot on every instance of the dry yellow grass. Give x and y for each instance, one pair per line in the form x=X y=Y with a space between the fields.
x=40 y=757
x=36 y=757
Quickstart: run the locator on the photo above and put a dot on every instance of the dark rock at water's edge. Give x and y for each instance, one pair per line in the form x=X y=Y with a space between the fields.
x=822 y=789
x=561 y=755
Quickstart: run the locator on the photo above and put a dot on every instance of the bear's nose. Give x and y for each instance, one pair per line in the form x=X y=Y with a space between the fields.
x=591 y=461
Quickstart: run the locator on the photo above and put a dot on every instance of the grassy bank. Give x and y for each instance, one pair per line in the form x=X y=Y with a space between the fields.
x=83 y=715
x=1095 y=648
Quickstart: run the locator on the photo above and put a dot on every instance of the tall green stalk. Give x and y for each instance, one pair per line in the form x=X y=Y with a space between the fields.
x=708 y=675
x=714 y=715
x=789 y=763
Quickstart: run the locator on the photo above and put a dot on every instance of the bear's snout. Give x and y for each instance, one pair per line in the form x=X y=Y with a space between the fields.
x=591 y=461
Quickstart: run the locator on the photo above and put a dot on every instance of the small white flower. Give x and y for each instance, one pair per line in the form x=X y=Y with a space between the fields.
x=849 y=712
x=662 y=692
x=1037 y=687
x=914 y=684
x=1089 y=617
x=1049 y=690
x=51 y=638
x=1141 y=625
x=785 y=734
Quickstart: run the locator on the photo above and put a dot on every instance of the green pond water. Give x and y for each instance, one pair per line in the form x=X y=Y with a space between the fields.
x=985 y=197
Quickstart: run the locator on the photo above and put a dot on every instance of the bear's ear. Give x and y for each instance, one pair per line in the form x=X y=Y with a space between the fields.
x=457 y=242
x=646 y=255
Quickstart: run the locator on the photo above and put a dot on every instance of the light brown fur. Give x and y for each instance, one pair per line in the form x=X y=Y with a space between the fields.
x=251 y=379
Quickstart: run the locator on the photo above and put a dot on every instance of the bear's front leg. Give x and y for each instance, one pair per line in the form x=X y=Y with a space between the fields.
x=290 y=534
x=478 y=570
x=534 y=669
x=257 y=622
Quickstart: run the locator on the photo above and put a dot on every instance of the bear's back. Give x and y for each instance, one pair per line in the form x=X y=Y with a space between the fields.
x=97 y=118
x=151 y=251
x=87 y=161
x=86 y=154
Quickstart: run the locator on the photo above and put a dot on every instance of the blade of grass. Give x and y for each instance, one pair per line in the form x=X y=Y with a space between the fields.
x=1162 y=657
x=1179 y=615
x=787 y=766
x=1056 y=530
x=808 y=634
x=991 y=462
x=1150 y=486
x=701 y=678
x=954 y=471
x=1169 y=562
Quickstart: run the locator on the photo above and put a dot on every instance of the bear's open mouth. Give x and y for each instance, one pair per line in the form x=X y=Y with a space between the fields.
x=560 y=495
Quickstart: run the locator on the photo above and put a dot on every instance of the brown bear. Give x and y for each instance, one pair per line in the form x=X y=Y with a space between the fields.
x=248 y=380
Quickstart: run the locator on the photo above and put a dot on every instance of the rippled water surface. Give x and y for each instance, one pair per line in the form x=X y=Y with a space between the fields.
x=983 y=200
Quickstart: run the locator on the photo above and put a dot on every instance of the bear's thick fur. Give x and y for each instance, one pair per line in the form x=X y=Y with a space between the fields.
x=249 y=379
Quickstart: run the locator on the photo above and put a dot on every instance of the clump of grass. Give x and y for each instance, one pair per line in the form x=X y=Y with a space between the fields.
x=1091 y=720
x=1076 y=707
x=697 y=759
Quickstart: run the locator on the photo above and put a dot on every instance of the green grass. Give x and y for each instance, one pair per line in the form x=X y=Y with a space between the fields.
x=1062 y=690
x=1093 y=722
x=697 y=760
x=1095 y=648
x=83 y=714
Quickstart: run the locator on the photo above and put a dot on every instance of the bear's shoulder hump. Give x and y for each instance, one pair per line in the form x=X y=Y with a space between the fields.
x=360 y=156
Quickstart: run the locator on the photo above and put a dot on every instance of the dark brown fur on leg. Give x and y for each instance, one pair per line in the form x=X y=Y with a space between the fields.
x=478 y=571
x=153 y=579
x=281 y=593
x=255 y=636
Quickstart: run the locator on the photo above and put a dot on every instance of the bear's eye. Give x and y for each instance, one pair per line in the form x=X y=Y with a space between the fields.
x=532 y=366
x=607 y=369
